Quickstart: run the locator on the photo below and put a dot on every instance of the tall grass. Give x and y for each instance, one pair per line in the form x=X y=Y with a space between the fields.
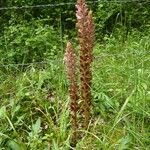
x=34 y=104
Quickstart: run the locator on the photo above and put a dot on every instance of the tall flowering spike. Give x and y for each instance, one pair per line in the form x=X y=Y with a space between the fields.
x=85 y=27
x=70 y=63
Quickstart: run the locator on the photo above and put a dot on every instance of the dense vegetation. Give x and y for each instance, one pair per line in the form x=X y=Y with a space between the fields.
x=34 y=112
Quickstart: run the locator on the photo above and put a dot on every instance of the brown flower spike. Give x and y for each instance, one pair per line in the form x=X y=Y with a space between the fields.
x=86 y=28
x=70 y=63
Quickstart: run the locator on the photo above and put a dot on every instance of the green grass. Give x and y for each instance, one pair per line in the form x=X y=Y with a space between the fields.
x=34 y=108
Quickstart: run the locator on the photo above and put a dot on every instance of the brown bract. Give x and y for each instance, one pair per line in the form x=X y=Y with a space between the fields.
x=85 y=27
x=70 y=63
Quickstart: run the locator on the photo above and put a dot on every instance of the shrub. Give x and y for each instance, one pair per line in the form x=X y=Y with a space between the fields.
x=25 y=43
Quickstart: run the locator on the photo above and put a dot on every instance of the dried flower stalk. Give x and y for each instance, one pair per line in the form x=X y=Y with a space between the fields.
x=85 y=27
x=70 y=63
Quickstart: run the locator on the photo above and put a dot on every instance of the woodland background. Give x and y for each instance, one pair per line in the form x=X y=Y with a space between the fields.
x=33 y=34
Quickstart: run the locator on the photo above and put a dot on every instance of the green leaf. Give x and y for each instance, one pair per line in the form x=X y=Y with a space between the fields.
x=2 y=112
x=36 y=126
x=15 y=146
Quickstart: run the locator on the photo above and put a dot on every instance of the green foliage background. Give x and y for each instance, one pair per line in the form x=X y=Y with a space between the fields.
x=32 y=34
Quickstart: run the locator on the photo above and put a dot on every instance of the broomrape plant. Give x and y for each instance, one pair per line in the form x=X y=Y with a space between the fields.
x=85 y=27
x=70 y=63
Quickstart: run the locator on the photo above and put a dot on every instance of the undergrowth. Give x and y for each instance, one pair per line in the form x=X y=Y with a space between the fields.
x=34 y=108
